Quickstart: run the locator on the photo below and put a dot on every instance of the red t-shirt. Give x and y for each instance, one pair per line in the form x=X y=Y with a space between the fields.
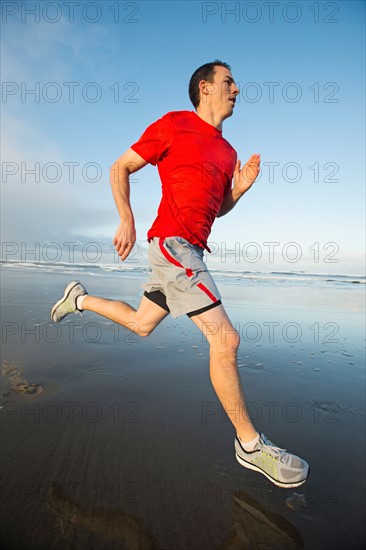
x=196 y=166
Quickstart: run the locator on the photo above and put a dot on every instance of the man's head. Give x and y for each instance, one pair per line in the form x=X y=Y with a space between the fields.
x=213 y=83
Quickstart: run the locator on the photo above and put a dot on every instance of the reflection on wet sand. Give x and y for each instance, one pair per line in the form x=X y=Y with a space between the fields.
x=256 y=528
x=110 y=524
x=253 y=526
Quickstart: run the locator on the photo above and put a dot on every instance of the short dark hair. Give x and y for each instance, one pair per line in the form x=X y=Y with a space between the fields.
x=205 y=72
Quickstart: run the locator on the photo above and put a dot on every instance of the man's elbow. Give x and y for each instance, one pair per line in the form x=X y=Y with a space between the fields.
x=118 y=172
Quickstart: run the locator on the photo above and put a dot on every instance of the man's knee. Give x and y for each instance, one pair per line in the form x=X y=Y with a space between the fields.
x=140 y=328
x=144 y=330
x=231 y=340
x=227 y=340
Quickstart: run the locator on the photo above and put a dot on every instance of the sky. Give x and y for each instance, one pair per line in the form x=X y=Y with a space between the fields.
x=82 y=80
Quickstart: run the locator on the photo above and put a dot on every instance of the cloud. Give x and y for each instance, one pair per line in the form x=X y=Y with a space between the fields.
x=35 y=206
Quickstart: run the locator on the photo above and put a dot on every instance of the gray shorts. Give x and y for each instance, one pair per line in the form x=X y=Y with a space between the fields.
x=180 y=281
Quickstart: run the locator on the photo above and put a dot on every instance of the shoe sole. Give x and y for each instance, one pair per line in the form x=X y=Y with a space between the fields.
x=275 y=481
x=68 y=289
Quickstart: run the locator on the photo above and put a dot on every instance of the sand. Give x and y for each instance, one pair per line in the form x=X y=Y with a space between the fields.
x=127 y=446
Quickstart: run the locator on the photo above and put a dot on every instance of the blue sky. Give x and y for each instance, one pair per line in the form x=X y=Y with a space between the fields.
x=300 y=67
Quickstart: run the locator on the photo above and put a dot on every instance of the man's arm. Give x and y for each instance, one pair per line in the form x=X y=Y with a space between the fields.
x=127 y=164
x=243 y=180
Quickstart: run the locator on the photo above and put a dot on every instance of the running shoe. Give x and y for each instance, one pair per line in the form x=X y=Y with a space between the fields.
x=279 y=466
x=67 y=304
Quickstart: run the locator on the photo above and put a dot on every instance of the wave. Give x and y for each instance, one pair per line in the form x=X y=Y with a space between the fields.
x=295 y=276
x=77 y=268
x=133 y=269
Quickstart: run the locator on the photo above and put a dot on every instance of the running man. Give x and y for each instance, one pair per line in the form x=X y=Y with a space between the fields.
x=201 y=180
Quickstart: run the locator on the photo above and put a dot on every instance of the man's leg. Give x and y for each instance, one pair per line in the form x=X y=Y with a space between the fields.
x=253 y=451
x=141 y=321
x=224 y=343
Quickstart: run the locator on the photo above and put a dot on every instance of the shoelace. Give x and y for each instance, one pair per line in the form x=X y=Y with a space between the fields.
x=272 y=450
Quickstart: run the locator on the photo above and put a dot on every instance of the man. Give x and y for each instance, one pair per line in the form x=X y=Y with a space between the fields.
x=201 y=180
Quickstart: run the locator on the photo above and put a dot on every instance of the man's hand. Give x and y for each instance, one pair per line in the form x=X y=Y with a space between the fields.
x=244 y=178
x=127 y=164
x=125 y=239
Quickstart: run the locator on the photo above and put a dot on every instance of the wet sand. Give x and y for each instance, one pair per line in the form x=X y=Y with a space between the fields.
x=126 y=446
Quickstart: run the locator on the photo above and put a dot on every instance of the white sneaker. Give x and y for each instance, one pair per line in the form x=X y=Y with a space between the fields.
x=282 y=468
x=67 y=304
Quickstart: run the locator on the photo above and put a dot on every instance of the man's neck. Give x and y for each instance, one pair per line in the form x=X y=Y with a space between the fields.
x=207 y=114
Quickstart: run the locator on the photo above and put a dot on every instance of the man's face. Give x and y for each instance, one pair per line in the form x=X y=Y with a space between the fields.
x=222 y=92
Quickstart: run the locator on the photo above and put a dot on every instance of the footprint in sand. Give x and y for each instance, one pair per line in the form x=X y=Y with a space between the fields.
x=17 y=381
x=296 y=502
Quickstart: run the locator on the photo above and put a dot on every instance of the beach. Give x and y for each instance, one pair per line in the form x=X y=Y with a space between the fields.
x=110 y=440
